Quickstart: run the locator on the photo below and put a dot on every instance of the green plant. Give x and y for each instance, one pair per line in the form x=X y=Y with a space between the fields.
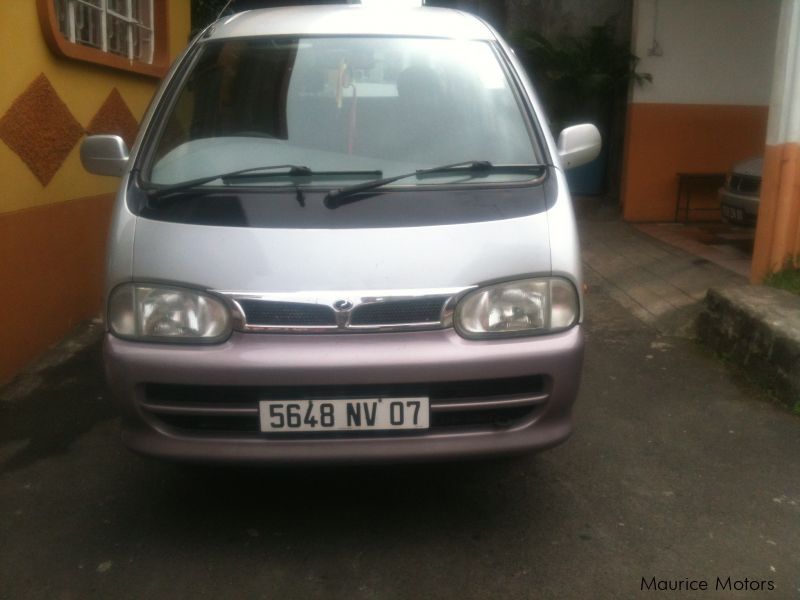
x=788 y=279
x=579 y=77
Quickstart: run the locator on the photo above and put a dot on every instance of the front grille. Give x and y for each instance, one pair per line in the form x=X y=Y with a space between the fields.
x=418 y=310
x=210 y=423
x=287 y=314
x=495 y=417
x=233 y=410
x=746 y=184
x=422 y=312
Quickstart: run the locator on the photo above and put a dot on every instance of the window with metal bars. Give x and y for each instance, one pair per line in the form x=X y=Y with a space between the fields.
x=121 y=27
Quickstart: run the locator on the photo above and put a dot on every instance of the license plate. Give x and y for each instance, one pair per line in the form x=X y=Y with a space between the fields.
x=733 y=213
x=358 y=414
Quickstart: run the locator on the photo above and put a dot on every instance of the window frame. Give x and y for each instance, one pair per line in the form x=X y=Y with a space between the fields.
x=62 y=46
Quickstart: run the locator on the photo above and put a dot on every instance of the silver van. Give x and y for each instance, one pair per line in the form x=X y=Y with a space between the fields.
x=343 y=234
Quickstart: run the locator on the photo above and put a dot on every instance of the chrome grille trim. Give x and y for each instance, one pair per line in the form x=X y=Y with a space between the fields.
x=200 y=410
x=352 y=299
x=166 y=408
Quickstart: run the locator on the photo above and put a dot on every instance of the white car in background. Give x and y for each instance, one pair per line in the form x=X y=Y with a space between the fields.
x=739 y=197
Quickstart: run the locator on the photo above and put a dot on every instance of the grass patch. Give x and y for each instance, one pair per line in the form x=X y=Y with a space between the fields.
x=788 y=279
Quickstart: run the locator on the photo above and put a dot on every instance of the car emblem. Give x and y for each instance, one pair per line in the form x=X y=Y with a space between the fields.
x=342 y=305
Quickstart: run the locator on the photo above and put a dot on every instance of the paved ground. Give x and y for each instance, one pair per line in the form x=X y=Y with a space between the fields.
x=659 y=283
x=724 y=245
x=677 y=470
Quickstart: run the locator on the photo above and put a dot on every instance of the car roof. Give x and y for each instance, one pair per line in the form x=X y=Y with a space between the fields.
x=352 y=19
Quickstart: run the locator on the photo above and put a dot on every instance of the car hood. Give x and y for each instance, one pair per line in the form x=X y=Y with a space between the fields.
x=259 y=259
x=751 y=167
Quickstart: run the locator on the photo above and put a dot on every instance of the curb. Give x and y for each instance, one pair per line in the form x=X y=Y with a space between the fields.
x=757 y=328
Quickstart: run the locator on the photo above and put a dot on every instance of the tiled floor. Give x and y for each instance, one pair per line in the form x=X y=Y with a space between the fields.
x=727 y=246
x=660 y=282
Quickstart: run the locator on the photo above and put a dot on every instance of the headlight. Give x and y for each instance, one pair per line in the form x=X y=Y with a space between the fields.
x=526 y=307
x=156 y=313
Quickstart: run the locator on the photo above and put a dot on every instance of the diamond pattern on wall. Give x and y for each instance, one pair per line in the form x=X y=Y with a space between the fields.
x=40 y=129
x=114 y=117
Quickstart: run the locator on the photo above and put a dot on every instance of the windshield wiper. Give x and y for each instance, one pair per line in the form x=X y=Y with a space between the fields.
x=161 y=191
x=346 y=195
x=250 y=173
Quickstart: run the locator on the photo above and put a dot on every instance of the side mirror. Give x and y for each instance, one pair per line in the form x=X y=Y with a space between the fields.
x=104 y=155
x=578 y=145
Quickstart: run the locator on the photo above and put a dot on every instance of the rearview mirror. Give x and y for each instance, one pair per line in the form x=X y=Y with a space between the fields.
x=578 y=145
x=104 y=155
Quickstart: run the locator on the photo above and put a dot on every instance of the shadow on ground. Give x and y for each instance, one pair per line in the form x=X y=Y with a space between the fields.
x=67 y=401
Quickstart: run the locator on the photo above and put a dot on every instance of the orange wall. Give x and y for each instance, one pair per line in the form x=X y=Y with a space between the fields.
x=778 y=230
x=52 y=274
x=664 y=139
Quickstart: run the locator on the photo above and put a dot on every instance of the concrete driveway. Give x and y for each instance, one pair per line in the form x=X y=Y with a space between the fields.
x=678 y=470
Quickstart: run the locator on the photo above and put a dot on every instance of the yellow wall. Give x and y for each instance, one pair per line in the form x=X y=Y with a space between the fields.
x=53 y=235
x=82 y=86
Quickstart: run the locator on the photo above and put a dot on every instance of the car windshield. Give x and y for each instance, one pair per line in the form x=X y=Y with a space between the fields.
x=343 y=104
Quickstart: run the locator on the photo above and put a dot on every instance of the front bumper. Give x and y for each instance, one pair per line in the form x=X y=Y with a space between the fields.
x=254 y=362
x=739 y=209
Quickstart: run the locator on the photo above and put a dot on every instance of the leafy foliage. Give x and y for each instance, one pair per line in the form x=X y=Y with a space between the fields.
x=579 y=77
x=788 y=279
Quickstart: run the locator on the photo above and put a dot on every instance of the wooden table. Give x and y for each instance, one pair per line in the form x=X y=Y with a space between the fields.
x=686 y=181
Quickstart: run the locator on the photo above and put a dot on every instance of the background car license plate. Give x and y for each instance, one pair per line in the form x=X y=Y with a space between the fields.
x=362 y=414
x=733 y=213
